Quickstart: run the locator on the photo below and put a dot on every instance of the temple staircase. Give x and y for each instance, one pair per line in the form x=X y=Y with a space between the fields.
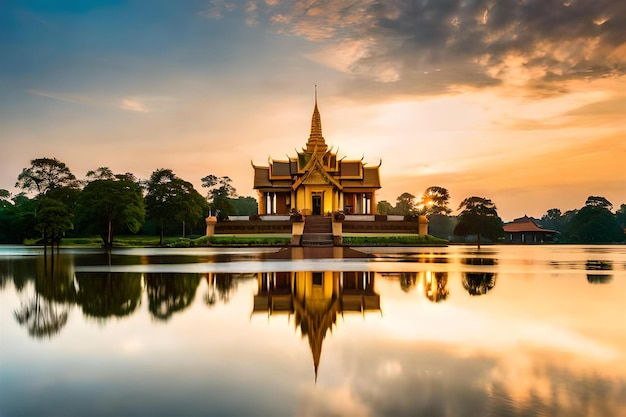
x=318 y=231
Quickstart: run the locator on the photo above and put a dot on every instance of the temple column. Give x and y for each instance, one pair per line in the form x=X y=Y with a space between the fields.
x=261 y=202
x=374 y=203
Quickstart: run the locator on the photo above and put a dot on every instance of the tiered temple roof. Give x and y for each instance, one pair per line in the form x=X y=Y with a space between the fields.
x=283 y=175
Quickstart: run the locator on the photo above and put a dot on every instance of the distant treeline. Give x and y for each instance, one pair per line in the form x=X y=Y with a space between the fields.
x=595 y=222
x=54 y=204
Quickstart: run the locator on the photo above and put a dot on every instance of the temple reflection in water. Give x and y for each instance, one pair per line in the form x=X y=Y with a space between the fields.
x=315 y=299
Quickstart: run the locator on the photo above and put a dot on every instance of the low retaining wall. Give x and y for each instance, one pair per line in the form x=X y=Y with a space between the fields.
x=253 y=226
x=380 y=227
x=285 y=226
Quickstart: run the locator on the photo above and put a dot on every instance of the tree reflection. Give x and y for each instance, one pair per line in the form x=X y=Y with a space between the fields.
x=102 y=295
x=46 y=313
x=598 y=265
x=436 y=286
x=170 y=293
x=41 y=317
x=221 y=287
x=407 y=280
x=478 y=283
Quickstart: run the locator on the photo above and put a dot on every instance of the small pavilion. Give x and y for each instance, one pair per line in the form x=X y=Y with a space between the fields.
x=527 y=230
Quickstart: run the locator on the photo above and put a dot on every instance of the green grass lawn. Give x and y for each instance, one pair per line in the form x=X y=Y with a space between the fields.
x=354 y=239
x=391 y=240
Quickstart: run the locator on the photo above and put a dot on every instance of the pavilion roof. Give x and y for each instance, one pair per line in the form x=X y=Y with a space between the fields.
x=525 y=224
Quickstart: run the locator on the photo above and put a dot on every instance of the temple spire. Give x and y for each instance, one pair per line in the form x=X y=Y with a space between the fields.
x=316 y=142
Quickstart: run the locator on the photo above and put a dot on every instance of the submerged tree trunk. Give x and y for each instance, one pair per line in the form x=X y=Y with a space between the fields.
x=161 y=235
x=478 y=240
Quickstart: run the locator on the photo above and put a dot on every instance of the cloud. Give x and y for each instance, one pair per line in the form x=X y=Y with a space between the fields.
x=65 y=97
x=137 y=104
x=536 y=44
x=134 y=104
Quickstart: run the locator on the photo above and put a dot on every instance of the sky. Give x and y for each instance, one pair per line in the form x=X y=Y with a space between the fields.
x=519 y=101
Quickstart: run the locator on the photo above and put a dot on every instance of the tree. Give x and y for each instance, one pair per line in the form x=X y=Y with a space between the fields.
x=435 y=200
x=479 y=216
x=244 y=206
x=441 y=225
x=620 y=216
x=46 y=174
x=17 y=220
x=597 y=201
x=101 y=173
x=53 y=219
x=171 y=198
x=405 y=204
x=220 y=191
x=106 y=206
x=594 y=223
x=384 y=207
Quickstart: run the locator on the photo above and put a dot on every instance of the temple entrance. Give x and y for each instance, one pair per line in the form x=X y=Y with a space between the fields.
x=317 y=205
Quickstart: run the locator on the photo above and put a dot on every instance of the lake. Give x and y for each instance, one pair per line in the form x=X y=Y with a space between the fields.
x=445 y=331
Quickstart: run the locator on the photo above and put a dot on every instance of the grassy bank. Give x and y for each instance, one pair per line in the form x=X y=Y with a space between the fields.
x=142 y=241
x=392 y=240
x=228 y=240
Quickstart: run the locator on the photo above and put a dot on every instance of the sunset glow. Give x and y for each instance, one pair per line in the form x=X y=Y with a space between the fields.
x=520 y=102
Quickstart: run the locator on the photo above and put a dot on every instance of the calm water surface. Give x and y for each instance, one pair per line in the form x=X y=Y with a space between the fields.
x=501 y=331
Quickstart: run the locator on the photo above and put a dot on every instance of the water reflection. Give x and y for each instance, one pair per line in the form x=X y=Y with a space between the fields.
x=221 y=287
x=546 y=343
x=170 y=293
x=315 y=298
x=599 y=265
x=45 y=312
x=433 y=284
x=105 y=295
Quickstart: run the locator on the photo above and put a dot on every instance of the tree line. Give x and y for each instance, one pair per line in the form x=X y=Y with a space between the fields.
x=53 y=204
x=595 y=222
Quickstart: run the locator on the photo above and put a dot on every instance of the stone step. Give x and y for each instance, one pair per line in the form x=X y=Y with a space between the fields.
x=318 y=224
x=317 y=239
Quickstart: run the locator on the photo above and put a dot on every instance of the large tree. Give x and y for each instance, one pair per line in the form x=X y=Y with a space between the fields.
x=219 y=194
x=244 y=206
x=405 y=204
x=45 y=174
x=620 y=216
x=594 y=223
x=53 y=219
x=384 y=207
x=170 y=198
x=100 y=173
x=435 y=200
x=106 y=206
x=479 y=216
x=17 y=220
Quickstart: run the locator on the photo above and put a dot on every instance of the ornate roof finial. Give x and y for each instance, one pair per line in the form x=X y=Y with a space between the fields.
x=316 y=140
